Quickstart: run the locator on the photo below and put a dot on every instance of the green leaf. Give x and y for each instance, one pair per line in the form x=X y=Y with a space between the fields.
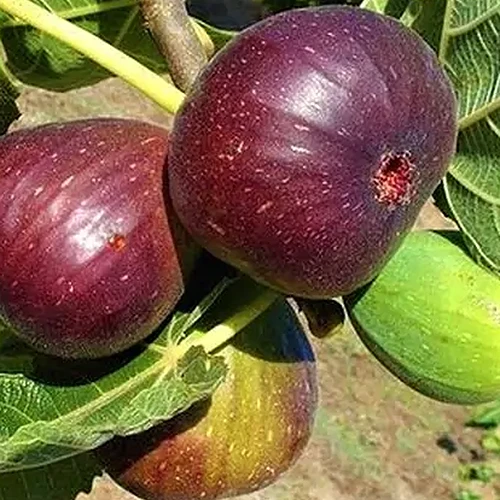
x=486 y=415
x=394 y=8
x=219 y=36
x=8 y=95
x=39 y=60
x=427 y=19
x=54 y=409
x=60 y=481
x=469 y=52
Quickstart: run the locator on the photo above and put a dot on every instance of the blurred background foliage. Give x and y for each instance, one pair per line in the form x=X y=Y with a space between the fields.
x=236 y=14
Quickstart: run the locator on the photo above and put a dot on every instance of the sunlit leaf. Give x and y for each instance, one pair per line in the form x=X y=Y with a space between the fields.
x=40 y=60
x=469 y=50
x=53 y=409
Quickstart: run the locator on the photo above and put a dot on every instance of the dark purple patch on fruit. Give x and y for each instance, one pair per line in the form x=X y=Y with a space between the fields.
x=288 y=156
x=91 y=254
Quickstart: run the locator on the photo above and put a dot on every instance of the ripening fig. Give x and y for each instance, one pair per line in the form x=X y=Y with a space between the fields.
x=255 y=426
x=92 y=257
x=432 y=317
x=306 y=149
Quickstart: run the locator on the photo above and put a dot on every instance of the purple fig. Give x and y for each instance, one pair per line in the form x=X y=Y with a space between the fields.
x=255 y=426
x=306 y=149
x=92 y=257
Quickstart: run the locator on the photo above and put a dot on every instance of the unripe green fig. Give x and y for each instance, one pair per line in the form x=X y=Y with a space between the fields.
x=255 y=426
x=432 y=317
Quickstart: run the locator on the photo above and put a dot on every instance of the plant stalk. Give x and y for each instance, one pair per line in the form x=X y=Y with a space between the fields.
x=258 y=300
x=169 y=23
x=148 y=82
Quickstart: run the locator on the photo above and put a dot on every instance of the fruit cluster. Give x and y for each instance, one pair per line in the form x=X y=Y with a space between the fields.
x=301 y=157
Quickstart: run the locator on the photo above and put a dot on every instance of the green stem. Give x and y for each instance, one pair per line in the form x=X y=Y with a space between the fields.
x=258 y=299
x=149 y=83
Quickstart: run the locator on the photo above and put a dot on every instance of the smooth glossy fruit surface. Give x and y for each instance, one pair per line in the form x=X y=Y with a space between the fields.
x=253 y=429
x=90 y=255
x=432 y=317
x=306 y=149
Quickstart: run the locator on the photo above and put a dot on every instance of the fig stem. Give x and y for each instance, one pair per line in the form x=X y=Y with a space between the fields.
x=169 y=23
x=260 y=300
x=148 y=82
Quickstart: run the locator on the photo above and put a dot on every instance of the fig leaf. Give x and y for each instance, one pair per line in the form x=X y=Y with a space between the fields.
x=54 y=409
x=394 y=8
x=8 y=94
x=469 y=52
x=42 y=61
x=59 y=481
x=486 y=416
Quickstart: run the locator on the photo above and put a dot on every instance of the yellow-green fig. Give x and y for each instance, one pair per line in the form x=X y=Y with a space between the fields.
x=432 y=317
x=255 y=426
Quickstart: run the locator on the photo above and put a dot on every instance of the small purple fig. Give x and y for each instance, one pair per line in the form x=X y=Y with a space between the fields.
x=306 y=149
x=253 y=429
x=92 y=258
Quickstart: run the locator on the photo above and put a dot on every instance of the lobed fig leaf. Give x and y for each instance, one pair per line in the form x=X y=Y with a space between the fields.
x=55 y=409
x=432 y=317
x=42 y=61
x=306 y=149
x=468 y=50
x=253 y=429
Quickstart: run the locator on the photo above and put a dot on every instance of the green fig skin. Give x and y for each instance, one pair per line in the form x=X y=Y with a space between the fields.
x=255 y=426
x=432 y=317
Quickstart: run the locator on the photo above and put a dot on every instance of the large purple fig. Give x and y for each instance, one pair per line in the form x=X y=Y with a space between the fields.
x=306 y=149
x=92 y=258
x=255 y=427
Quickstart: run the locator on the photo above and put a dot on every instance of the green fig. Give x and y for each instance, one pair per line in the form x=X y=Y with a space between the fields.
x=255 y=426
x=432 y=317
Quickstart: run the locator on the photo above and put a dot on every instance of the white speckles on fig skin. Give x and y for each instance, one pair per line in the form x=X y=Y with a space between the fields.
x=88 y=264
x=253 y=429
x=275 y=150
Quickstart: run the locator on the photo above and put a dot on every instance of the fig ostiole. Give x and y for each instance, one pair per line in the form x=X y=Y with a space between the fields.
x=253 y=429
x=307 y=147
x=92 y=256
x=432 y=317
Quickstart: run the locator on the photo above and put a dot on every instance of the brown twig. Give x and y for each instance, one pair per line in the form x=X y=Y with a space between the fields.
x=169 y=23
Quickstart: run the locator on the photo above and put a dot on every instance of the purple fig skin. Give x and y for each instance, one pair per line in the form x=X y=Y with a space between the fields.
x=92 y=258
x=255 y=427
x=306 y=149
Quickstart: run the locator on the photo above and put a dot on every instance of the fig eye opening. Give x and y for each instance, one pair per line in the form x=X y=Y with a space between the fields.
x=394 y=180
